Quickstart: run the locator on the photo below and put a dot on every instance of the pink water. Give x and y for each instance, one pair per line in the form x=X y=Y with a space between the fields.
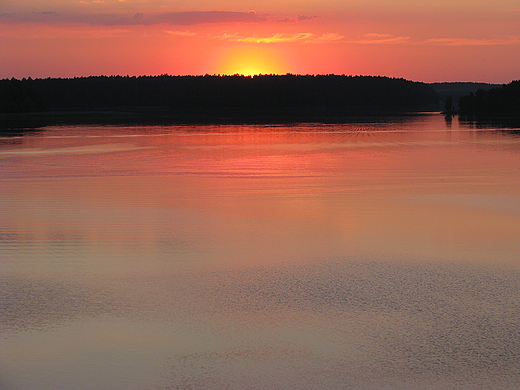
x=371 y=255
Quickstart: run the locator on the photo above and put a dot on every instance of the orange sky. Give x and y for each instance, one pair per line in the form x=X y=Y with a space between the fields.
x=456 y=40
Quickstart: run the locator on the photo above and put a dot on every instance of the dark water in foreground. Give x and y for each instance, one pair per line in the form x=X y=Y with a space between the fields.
x=377 y=255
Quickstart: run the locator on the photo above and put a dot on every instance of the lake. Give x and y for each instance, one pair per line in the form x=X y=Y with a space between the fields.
x=380 y=254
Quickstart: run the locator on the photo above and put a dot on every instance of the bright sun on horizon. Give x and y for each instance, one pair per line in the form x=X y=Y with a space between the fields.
x=250 y=61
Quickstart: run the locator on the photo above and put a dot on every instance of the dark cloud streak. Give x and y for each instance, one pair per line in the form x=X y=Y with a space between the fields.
x=299 y=18
x=173 y=18
x=192 y=18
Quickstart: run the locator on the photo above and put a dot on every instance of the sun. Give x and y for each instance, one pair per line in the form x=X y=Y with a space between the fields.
x=250 y=61
x=250 y=67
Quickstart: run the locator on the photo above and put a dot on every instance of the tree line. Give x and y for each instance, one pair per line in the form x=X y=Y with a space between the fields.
x=222 y=94
x=503 y=100
x=16 y=96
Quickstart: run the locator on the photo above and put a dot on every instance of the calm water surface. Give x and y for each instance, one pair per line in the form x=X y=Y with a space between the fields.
x=374 y=255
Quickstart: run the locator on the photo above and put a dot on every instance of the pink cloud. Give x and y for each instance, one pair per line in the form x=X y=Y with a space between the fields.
x=507 y=40
x=381 y=39
x=283 y=38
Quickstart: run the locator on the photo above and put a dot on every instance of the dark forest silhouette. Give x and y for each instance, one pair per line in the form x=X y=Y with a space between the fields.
x=458 y=89
x=16 y=96
x=503 y=100
x=219 y=95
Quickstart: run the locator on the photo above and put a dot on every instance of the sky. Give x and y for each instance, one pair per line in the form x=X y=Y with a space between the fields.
x=429 y=41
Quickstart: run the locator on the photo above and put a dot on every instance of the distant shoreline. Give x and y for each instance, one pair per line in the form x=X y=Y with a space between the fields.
x=269 y=99
x=204 y=99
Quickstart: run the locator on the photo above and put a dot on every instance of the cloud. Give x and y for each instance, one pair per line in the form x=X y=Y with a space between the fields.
x=506 y=40
x=381 y=39
x=388 y=39
x=138 y=17
x=275 y=38
x=180 y=33
x=173 y=18
x=54 y=17
x=68 y=32
x=300 y=18
x=328 y=37
x=29 y=17
x=192 y=18
x=282 y=38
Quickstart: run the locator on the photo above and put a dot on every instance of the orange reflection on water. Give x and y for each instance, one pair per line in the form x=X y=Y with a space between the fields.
x=244 y=195
x=296 y=256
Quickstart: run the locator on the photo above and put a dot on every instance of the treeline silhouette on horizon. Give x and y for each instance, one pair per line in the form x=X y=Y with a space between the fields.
x=221 y=95
x=502 y=100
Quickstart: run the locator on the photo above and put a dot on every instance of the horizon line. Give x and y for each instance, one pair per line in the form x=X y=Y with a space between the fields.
x=253 y=76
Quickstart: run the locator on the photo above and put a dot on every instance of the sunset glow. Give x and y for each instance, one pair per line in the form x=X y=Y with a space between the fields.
x=250 y=61
x=465 y=41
